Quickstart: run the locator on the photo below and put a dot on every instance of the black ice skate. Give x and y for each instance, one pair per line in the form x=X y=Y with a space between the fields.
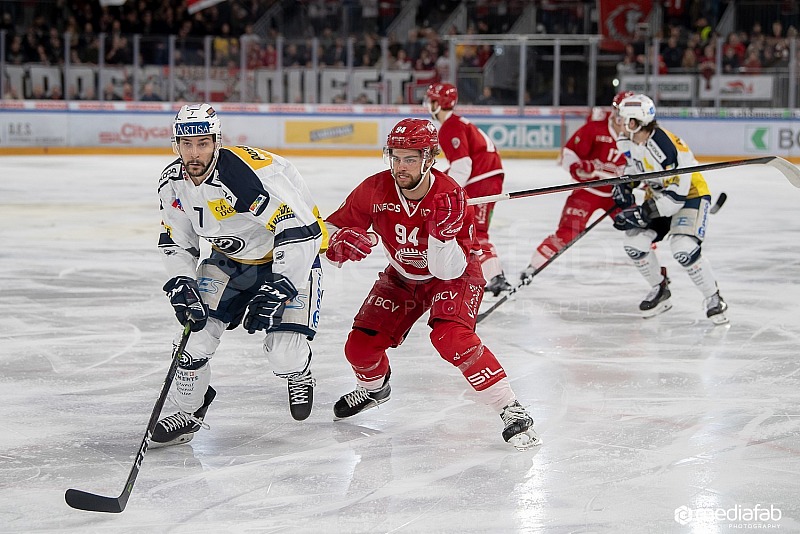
x=497 y=285
x=361 y=399
x=301 y=394
x=657 y=300
x=526 y=276
x=180 y=427
x=519 y=427
x=715 y=309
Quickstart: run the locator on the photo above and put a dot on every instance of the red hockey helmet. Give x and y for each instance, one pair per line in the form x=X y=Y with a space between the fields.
x=414 y=134
x=444 y=93
x=622 y=95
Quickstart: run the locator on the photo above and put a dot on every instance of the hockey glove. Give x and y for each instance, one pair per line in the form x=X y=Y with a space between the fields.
x=352 y=244
x=623 y=196
x=448 y=214
x=631 y=218
x=583 y=170
x=265 y=310
x=184 y=295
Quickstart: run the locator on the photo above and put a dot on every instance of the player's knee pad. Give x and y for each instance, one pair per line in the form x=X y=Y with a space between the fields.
x=191 y=382
x=637 y=245
x=454 y=342
x=203 y=344
x=463 y=348
x=685 y=249
x=366 y=351
x=287 y=352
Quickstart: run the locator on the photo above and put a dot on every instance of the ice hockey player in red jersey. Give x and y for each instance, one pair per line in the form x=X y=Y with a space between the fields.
x=476 y=166
x=427 y=230
x=590 y=154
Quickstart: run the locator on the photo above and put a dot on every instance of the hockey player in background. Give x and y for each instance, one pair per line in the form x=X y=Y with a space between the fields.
x=590 y=154
x=263 y=271
x=676 y=207
x=475 y=165
x=421 y=216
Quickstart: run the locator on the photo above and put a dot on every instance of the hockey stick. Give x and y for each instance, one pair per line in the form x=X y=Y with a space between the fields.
x=719 y=203
x=551 y=259
x=789 y=171
x=91 y=502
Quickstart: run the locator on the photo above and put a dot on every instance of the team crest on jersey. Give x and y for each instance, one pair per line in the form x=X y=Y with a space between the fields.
x=228 y=244
x=281 y=214
x=258 y=205
x=456 y=142
x=221 y=209
x=413 y=257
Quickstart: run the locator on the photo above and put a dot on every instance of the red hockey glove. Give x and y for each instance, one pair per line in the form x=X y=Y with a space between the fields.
x=448 y=214
x=352 y=244
x=582 y=170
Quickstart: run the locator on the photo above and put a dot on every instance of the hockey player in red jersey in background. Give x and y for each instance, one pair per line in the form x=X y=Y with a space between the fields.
x=475 y=165
x=421 y=216
x=590 y=154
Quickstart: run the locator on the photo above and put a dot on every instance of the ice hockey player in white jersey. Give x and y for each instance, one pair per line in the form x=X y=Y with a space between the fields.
x=263 y=271
x=676 y=208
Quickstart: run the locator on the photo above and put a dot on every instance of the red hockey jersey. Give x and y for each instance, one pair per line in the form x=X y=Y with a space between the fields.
x=377 y=203
x=459 y=139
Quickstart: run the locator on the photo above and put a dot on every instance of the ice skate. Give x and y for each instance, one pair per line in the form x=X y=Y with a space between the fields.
x=361 y=399
x=301 y=394
x=497 y=285
x=180 y=427
x=518 y=429
x=715 y=309
x=657 y=300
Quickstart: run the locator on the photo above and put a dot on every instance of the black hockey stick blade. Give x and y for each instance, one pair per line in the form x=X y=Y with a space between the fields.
x=551 y=259
x=788 y=170
x=719 y=203
x=83 y=500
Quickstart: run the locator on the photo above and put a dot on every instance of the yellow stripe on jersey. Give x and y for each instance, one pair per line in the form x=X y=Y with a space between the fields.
x=221 y=209
x=325 y=233
x=254 y=157
x=677 y=141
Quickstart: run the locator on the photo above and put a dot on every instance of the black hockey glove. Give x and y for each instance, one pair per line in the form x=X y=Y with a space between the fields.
x=265 y=310
x=623 y=196
x=631 y=218
x=184 y=295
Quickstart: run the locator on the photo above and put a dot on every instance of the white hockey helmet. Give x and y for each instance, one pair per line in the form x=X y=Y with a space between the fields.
x=194 y=120
x=638 y=107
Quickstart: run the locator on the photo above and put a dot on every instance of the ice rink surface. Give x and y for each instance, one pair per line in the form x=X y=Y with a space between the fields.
x=663 y=425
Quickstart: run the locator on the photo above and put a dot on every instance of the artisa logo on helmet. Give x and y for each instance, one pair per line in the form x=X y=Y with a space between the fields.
x=192 y=128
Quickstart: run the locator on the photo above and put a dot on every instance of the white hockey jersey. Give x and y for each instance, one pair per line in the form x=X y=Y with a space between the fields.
x=664 y=151
x=253 y=208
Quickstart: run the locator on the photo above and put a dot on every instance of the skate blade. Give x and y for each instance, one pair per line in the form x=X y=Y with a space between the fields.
x=180 y=440
x=525 y=440
x=374 y=404
x=719 y=319
x=658 y=310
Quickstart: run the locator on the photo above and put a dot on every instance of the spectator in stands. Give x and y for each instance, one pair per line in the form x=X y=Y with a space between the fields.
x=689 y=61
x=672 y=53
x=730 y=61
x=149 y=94
x=707 y=63
x=734 y=43
x=402 y=62
x=752 y=62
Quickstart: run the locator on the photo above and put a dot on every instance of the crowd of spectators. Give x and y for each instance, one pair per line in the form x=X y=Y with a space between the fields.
x=344 y=32
x=694 y=50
